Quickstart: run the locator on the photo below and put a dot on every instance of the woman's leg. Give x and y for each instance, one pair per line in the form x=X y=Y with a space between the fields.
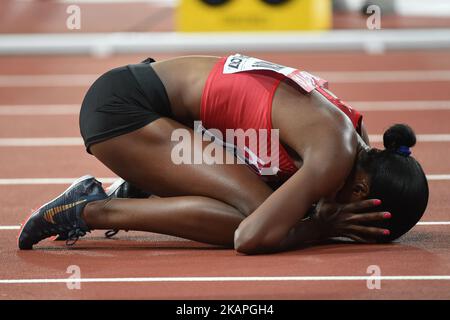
x=192 y=217
x=200 y=202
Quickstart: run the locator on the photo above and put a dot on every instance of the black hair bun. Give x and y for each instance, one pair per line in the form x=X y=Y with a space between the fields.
x=399 y=135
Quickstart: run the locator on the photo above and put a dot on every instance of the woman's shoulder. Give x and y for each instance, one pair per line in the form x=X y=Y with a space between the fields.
x=307 y=120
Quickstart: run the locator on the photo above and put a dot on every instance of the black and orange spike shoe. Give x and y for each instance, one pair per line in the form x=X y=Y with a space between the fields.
x=62 y=215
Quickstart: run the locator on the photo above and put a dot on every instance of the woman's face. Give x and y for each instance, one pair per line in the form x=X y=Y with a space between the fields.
x=356 y=187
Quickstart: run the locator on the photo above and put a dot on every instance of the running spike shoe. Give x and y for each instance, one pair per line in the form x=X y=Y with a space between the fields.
x=62 y=215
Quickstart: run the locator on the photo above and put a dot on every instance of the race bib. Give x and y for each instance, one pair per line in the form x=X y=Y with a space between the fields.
x=240 y=63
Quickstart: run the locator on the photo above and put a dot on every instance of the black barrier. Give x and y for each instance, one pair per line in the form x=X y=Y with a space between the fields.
x=275 y=2
x=215 y=2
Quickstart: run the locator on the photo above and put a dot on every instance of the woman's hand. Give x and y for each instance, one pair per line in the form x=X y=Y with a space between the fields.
x=349 y=220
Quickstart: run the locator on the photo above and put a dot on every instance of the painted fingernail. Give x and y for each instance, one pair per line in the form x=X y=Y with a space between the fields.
x=386 y=232
x=377 y=202
x=387 y=215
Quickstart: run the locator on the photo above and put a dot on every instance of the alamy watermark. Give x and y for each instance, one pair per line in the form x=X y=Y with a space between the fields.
x=374 y=280
x=374 y=20
x=75 y=274
x=73 y=21
x=245 y=147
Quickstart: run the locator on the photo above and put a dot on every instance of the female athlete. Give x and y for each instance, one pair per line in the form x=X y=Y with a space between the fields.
x=314 y=178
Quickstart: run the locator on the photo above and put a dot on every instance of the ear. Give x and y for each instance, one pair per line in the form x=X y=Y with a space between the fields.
x=360 y=188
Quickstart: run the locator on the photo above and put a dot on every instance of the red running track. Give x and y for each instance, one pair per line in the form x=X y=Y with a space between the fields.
x=419 y=262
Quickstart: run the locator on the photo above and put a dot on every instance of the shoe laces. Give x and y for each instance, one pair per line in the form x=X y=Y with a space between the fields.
x=111 y=233
x=74 y=235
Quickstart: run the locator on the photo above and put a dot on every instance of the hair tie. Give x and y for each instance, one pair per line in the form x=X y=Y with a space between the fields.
x=404 y=151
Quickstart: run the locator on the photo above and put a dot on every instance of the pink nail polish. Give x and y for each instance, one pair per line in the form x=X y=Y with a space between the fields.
x=387 y=215
x=376 y=202
x=386 y=232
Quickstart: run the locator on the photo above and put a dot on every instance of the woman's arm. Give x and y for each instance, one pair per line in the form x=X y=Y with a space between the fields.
x=326 y=165
x=306 y=231
x=330 y=220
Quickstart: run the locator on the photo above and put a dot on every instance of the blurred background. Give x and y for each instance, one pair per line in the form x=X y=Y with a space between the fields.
x=66 y=26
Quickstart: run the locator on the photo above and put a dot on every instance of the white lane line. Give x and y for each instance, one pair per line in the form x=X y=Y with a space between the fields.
x=420 y=138
x=41 y=142
x=385 y=76
x=400 y=105
x=45 y=181
x=438 y=177
x=82 y=80
x=229 y=279
x=421 y=223
x=47 y=80
x=9 y=227
x=433 y=223
x=35 y=110
x=76 y=141
x=52 y=181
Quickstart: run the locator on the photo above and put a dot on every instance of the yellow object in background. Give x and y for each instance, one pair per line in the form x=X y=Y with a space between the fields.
x=253 y=15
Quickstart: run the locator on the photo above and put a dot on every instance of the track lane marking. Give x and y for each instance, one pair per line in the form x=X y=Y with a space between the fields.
x=39 y=181
x=82 y=80
x=420 y=138
x=41 y=142
x=384 y=76
x=48 y=181
x=422 y=223
x=229 y=279
x=373 y=106
x=41 y=109
x=433 y=223
x=400 y=105
x=47 y=80
x=438 y=177
x=77 y=141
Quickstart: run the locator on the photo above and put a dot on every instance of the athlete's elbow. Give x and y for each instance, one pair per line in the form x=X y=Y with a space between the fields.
x=252 y=243
x=244 y=243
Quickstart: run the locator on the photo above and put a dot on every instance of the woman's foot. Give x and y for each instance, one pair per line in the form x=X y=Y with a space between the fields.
x=63 y=214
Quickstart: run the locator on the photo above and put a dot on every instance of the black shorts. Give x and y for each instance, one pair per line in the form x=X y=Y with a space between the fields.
x=122 y=100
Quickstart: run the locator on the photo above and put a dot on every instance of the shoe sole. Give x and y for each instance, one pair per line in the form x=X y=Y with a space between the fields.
x=83 y=178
